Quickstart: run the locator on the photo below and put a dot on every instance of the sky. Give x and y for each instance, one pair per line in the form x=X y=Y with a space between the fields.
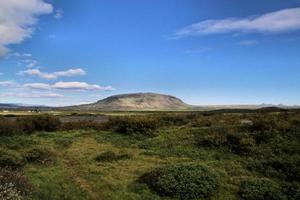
x=206 y=52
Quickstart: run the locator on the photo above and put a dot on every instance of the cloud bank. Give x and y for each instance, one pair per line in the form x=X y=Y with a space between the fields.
x=54 y=75
x=7 y=83
x=67 y=86
x=31 y=95
x=274 y=22
x=18 y=19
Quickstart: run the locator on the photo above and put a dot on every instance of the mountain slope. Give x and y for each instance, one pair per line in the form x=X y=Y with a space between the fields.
x=137 y=101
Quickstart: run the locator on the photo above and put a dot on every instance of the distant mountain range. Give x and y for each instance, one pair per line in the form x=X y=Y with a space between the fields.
x=143 y=102
x=19 y=105
x=7 y=105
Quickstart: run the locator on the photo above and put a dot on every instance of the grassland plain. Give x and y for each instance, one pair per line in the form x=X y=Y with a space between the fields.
x=255 y=156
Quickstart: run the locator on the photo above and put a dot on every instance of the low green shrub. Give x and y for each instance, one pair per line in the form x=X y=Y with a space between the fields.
x=183 y=181
x=170 y=119
x=110 y=156
x=224 y=137
x=138 y=125
x=202 y=122
x=213 y=137
x=8 y=127
x=291 y=190
x=10 y=159
x=38 y=155
x=81 y=125
x=31 y=124
x=63 y=142
x=260 y=189
x=17 y=142
x=285 y=167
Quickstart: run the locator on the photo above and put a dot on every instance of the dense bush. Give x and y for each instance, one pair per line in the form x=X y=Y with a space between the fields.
x=11 y=160
x=7 y=127
x=38 y=123
x=226 y=137
x=291 y=190
x=110 y=156
x=63 y=142
x=138 y=125
x=38 y=155
x=82 y=125
x=213 y=137
x=285 y=167
x=28 y=124
x=177 y=119
x=183 y=181
x=260 y=189
x=202 y=122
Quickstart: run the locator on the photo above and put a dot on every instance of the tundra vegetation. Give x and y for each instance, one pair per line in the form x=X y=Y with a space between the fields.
x=250 y=155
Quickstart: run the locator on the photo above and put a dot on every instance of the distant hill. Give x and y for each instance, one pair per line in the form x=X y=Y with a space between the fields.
x=146 y=102
x=136 y=101
x=17 y=106
x=7 y=105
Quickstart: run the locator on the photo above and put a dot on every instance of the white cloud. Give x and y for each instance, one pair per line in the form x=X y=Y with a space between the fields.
x=70 y=72
x=54 y=75
x=30 y=95
x=47 y=95
x=274 y=22
x=58 y=13
x=8 y=83
x=67 y=86
x=30 y=63
x=27 y=54
x=40 y=86
x=80 y=86
x=3 y=50
x=24 y=58
x=17 y=20
x=22 y=55
x=38 y=73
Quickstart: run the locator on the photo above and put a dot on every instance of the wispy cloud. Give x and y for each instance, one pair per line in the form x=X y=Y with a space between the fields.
x=30 y=63
x=9 y=83
x=17 y=54
x=40 y=86
x=58 y=13
x=67 y=86
x=1 y=73
x=54 y=75
x=31 y=95
x=274 y=22
x=18 y=19
x=80 y=86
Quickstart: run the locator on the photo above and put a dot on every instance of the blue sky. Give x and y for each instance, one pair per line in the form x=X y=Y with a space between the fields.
x=203 y=51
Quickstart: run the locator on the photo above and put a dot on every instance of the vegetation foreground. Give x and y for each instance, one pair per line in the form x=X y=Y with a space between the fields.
x=155 y=155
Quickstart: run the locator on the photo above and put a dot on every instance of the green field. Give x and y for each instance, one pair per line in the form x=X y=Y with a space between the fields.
x=254 y=156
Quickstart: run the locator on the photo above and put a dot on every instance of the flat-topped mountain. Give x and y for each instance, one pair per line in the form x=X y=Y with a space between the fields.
x=137 y=101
